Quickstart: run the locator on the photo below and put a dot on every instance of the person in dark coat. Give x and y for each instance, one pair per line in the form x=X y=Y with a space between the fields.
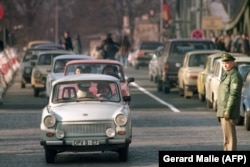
x=66 y=41
x=109 y=47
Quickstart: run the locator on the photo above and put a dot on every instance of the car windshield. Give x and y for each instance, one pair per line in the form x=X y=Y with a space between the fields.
x=150 y=46
x=181 y=48
x=46 y=59
x=243 y=69
x=59 y=65
x=197 y=60
x=78 y=91
x=100 y=68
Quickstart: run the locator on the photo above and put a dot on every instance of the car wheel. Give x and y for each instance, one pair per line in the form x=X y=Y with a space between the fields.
x=50 y=155
x=201 y=97
x=136 y=67
x=159 y=86
x=181 y=91
x=240 y=121
x=36 y=92
x=166 y=89
x=123 y=154
x=151 y=78
x=209 y=104
x=247 y=122
x=214 y=106
x=23 y=85
x=155 y=79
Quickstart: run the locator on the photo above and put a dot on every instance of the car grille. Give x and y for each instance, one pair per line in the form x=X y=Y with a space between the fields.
x=78 y=129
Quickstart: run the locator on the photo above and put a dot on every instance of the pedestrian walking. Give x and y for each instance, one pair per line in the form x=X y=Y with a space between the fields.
x=228 y=105
x=77 y=45
x=66 y=41
x=124 y=51
x=109 y=48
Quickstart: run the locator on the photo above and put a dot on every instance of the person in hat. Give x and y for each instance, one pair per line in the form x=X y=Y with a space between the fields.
x=228 y=104
x=83 y=91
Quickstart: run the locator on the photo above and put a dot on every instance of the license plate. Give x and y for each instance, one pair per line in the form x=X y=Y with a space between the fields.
x=85 y=142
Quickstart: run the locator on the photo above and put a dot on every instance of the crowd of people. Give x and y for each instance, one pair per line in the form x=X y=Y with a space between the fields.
x=231 y=42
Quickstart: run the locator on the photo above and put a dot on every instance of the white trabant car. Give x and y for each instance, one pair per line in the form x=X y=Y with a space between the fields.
x=86 y=112
x=41 y=66
x=57 y=69
x=193 y=63
x=212 y=83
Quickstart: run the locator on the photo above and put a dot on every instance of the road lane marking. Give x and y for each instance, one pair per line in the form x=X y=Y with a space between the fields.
x=170 y=106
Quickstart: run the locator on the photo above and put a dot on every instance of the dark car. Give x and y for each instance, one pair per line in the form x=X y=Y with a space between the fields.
x=141 y=55
x=172 y=56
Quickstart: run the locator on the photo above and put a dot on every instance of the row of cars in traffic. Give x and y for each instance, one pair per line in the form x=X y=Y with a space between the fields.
x=88 y=101
x=9 y=65
x=194 y=66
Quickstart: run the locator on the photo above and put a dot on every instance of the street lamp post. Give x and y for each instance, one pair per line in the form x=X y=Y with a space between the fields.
x=56 y=21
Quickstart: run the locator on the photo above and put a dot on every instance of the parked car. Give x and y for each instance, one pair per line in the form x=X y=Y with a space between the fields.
x=57 y=69
x=193 y=63
x=202 y=76
x=30 y=55
x=153 y=68
x=172 y=56
x=245 y=97
x=98 y=66
x=140 y=56
x=31 y=44
x=41 y=67
x=101 y=125
x=212 y=83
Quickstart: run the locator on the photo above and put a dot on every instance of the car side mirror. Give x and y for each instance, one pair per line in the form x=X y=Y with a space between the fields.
x=130 y=79
x=126 y=98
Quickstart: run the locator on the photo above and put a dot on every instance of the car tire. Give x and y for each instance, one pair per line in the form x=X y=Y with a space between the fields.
x=36 y=92
x=247 y=122
x=123 y=154
x=214 y=106
x=181 y=91
x=166 y=89
x=23 y=85
x=209 y=104
x=240 y=121
x=201 y=97
x=50 y=155
x=151 y=78
x=159 y=85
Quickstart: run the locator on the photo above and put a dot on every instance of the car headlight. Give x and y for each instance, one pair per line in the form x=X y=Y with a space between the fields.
x=37 y=74
x=60 y=134
x=49 y=121
x=121 y=119
x=110 y=132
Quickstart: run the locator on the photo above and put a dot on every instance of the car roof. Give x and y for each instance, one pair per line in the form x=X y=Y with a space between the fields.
x=81 y=77
x=55 y=51
x=204 y=51
x=73 y=57
x=95 y=61
x=188 y=39
x=239 y=59
x=48 y=46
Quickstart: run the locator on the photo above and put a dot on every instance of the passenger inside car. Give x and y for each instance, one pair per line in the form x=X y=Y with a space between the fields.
x=111 y=70
x=78 y=70
x=104 y=91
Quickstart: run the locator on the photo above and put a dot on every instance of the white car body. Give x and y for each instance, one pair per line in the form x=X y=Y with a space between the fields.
x=212 y=82
x=89 y=123
x=53 y=75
